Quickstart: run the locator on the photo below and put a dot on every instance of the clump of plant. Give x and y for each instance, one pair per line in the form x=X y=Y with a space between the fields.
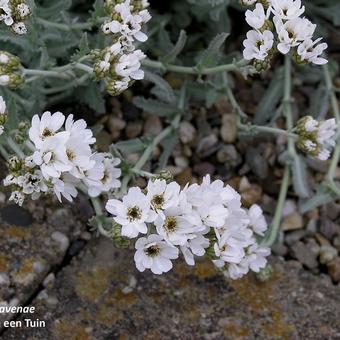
x=56 y=155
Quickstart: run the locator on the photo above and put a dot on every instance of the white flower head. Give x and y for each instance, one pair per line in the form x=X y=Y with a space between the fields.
x=4 y=58
x=129 y=65
x=17 y=197
x=19 y=28
x=4 y=80
x=311 y=51
x=154 y=254
x=65 y=186
x=6 y=13
x=23 y=10
x=45 y=127
x=287 y=9
x=257 y=220
x=195 y=246
x=104 y=175
x=132 y=212
x=323 y=154
x=257 y=17
x=326 y=132
x=310 y=124
x=52 y=157
x=293 y=32
x=257 y=45
x=162 y=195
x=78 y=148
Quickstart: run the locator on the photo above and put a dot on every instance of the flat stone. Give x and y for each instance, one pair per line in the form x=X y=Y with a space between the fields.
x=292 y=222
x=16 y=215
x=228 y=129
x=33 y=242
x=102 y=296
x=304 y=255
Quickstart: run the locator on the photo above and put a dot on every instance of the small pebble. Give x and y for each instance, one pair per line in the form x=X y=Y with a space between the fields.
x=62 y=239
x=229 y=129
x=292 y=222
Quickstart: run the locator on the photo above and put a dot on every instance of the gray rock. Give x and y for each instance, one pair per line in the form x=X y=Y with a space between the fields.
x=15 y=215
x=257 y=162
x=207 y=145
x=294 y=236
x=328 y=228
x=304 y=255
x=101 y=295
x=187 y=132
x=327 y=254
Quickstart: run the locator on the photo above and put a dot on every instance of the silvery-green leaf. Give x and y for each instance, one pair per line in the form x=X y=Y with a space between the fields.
x=271 y=98
x=209 y=56
x=300 y=177
x=167 y=92
x=154 y=106
x=177 y=49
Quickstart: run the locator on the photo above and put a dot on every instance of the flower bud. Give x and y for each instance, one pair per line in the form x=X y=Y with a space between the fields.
x=22 y=11
x=14 y=164
x=165 y=174
x=23 y=126
x=19 y=138
x=3 y=118
x=265 y=274
x=9 y=61
x=15 y=80
x=261 y=65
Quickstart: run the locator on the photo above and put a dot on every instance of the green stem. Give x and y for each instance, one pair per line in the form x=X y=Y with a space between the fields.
x=287 y=100
x=147 y=153
x=4 y=153
x=142 y=173
x=99 y=212
x=287 y=103
x=331 y=92
x=74 y=83
x=193 y=70
x=336 y=112
x=83 y=67
x=45 y=73
x=275 y=131
x=274 y=228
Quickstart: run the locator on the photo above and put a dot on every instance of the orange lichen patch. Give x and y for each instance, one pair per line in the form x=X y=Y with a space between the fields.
x=277 y=329
x=25 y=274
x=90 y=286
x=259 y=298
x=17 y=232
x=234 y=331
x=152 y=335
x=205 y=270
x=65 y=329
x=124 y=301
x=4 y=265
x=108 y=315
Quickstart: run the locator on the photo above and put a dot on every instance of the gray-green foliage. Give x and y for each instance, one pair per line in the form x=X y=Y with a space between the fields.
x=192 y=33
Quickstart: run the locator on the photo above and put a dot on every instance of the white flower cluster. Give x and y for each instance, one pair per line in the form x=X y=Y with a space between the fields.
x=316 y=138
x=200 y=219
x=283 y=17
x=120 y=63
x=13 y=13
x=3 y=114
x=9 y=65
x=62 y=161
